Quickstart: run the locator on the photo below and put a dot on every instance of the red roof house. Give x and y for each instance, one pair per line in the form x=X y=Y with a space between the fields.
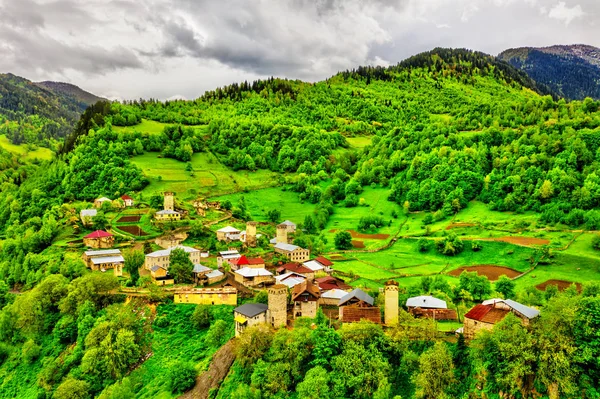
x=324 y=261
x=127 y=200
x=243 y=261
x=331 y=283
x=99 y=239
x=296 y=268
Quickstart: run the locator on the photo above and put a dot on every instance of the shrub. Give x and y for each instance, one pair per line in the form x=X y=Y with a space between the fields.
x=476 y=246
x=30 y=351
x=343 y=240
x=370 y=222
x=182 y=376
x=201 y=316
x=450 y=245
x=596 y=242
x=423 y=244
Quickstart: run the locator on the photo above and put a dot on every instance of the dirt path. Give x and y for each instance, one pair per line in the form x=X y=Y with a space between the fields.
x=217 y=371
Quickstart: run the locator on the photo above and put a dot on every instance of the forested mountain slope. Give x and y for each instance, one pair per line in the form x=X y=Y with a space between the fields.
x=571 y=71
x=38 y=113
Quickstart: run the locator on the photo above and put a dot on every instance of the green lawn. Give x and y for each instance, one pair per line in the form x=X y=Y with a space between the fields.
x=259 y=202
x=210 y=177
x=22 y=151
x=359 y=141
x=146 y=126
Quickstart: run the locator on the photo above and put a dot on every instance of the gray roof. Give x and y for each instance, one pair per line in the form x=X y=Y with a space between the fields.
x=250 y=272
x=426 y=301
x=526 y=311
x=251 y=309
x=273 y=240
x=103 y=199
x=357 y=293
x=201 y=269
x=233 y=252
x=103 y=252
x=286 y=247
x=88 y=213
x=334 y=294
x=214 y=273
x=156 y=267
x=228 y=229
x=167 y=252
x=288 y=223
x=108 y=259
x=167 y=212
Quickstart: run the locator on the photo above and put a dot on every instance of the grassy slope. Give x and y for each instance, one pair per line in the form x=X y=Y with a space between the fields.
x=22 y=151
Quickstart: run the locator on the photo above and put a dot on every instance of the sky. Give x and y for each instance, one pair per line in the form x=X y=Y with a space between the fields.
x=164 y=49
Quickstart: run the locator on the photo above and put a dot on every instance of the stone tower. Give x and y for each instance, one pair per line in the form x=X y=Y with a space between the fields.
x=282 y=233
x=278 y=305
x=169 y=203
x=390 y=313
x=251 y=234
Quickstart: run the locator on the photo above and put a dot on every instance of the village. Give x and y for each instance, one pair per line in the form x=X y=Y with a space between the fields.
x=297 y=286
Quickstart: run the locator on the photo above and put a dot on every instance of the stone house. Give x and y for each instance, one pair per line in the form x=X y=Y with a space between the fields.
x=127 y=200
x=253 y=277
x=249 y=315
x=305 y=297
x=430 y=307
x=293 y=252
x=167 y=215
x=99 y=239
x=104 y=260
x=358 y=305
x=289 y=226
x=228 y=233
x=162 y=257
x=100 y=201
x=161 y=276
x=491 y=312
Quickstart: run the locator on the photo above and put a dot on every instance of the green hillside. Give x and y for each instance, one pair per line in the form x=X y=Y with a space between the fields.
x=449 y=160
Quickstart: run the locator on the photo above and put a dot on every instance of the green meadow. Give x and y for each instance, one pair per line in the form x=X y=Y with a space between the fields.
x=24 y=152
x=146 y=126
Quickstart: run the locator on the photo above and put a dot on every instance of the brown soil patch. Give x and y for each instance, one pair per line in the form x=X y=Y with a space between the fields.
x=336 y=257
x=356 y=234
x=525 y=241
x=358 y=244
x=135 y=230
x=561 y=284
x=492 y=272
x=129 y=219
x=459 y=225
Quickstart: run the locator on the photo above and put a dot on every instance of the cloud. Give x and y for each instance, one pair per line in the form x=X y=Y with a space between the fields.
x=563 y=13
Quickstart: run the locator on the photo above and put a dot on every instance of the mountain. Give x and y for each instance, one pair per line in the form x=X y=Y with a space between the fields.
x=571 y=71
x=39 y=113
x=70 y=90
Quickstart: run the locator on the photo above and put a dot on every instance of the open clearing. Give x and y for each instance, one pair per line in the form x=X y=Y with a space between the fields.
x=359 y=142
x=22 y=151
x=492 y=272
x=146 y=126
x=561 y=284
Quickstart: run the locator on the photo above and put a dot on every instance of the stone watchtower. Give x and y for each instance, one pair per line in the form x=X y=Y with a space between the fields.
x=390 y=313
x=278 y=298
x=251 y=234
x=169 y=203
x=282 y=234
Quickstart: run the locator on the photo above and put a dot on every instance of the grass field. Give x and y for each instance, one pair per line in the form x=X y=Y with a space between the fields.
x=146 y=126
x=359 y=141
x=41 y=153
x=209 y=178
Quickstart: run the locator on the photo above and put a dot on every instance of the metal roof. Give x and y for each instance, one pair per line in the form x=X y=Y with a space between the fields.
x=251 y=309
x=108 y=259
x=156 y=267
x=359 y=294
x=313 y=265
x=167 y=252
x=167 y=212
x=214 y=273
x=250 y=272
x=103 y=252
x=290 y=279
x=288 y=223
x=286 y=247
x=201 y=269
x=234 y=252
x=88 y=212
x=426 y=301
x=334 y=294
x=103 y=199
x=526 y=311
x=228 y=229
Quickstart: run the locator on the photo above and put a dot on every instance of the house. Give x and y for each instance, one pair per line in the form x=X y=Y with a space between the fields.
x=319 y=264
x=249 y=315
x=289 y=226
x=228 y=233
x=100 y=201
x=87 y=216
x=227 y=256
x=331 y=283
x=161 y=276
x=214 y=277
x=490 y=312
x=332 y=297
x=296 y=268
x=305 y=297
x=358 y=305
x=200 y=272
x=430 y=307
x=207 y=296
x=253 y=277
x=293 y=252
x=105 y=259
x=99 y=239
x=290 y=279
x=243 y=261
x=167 y=215
x=127 y=200
x=162 y=257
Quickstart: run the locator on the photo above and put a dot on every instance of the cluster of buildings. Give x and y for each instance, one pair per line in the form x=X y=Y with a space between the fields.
x=87 y=215
x=104 y=260
x=168 y=213
x=158 y=263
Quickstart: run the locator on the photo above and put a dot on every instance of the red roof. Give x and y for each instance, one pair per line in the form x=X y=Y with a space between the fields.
x=98 y=234
x=324 y=261
x=126 y=197
x=329 y=283
x=296 y=268
x=252 y=261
